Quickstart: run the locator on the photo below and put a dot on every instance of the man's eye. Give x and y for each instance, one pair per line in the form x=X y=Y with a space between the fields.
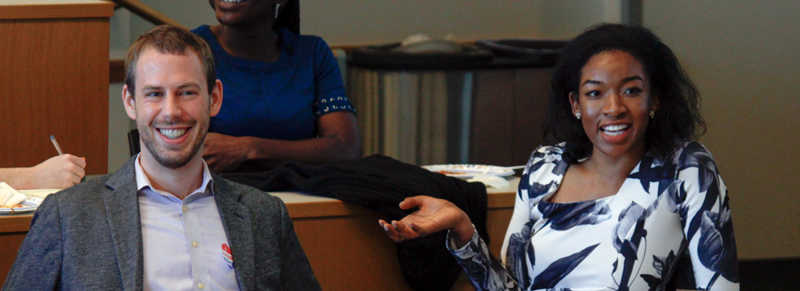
x=152 y=94
x=188 y=93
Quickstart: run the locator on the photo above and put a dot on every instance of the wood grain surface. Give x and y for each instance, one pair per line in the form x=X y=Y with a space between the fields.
x=54 y=81
x=55 y=9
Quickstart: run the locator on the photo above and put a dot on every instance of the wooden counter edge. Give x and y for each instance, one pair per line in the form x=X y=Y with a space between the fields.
x=54 y=10
x=15 y=223
x=298 y=210
x=336 y=208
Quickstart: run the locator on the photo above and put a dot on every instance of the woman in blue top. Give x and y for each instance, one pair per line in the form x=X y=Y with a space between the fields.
x=284 y=97
x=615 y=205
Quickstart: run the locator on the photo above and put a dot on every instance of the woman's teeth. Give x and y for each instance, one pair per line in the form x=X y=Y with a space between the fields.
x=172 y=132
x=614 y=129
x=234 y=1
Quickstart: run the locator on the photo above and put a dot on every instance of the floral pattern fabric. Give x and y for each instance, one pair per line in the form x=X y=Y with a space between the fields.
x=627 y=241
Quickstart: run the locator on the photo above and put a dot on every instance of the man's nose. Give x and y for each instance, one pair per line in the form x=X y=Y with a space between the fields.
x=171 y=105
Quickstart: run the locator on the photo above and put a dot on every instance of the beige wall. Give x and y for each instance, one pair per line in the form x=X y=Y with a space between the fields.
x=380 y=21
x=118 y=122
x=745 y=58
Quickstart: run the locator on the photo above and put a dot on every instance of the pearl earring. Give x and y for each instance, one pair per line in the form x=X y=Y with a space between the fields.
x=652 y=114
x=578 y=115
x=277 y=9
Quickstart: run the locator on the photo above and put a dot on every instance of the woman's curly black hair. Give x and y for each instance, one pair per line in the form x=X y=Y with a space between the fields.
x=678 y=116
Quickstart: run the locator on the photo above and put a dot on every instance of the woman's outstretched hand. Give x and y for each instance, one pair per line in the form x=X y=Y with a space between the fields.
x=432 y=215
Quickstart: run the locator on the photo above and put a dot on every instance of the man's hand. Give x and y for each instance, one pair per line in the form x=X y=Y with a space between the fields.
x=432 y=215
x=60 y=172
x=224 y=152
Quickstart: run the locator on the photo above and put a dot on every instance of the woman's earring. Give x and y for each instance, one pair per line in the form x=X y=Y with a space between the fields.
x=277 y=10
x=652 y=114
x=578 y=115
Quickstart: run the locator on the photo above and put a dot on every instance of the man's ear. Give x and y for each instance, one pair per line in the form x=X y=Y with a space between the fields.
x=573 y=101
x=129 y=102
x=216 y=98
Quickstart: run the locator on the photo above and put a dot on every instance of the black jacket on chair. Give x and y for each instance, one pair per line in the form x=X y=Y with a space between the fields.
x=380 y=183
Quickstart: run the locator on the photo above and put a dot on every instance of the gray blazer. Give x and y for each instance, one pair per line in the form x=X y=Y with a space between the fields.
x=89 y=237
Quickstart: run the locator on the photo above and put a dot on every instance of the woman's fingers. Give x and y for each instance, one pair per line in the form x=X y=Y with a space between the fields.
x=391 y=232
x=411 y=202
x=398 y=230
x=403 y=229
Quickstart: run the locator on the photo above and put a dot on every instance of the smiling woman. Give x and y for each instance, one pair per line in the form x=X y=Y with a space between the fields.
x=284 y=97
x=615 y=205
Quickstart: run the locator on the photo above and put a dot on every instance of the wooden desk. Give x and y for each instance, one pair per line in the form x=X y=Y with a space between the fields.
x=346 y=247
x=54 y=80
x=12 y=231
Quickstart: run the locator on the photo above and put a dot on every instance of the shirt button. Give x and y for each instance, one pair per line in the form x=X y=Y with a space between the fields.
x=185 y=208
x=194 y=244
x=200 y=285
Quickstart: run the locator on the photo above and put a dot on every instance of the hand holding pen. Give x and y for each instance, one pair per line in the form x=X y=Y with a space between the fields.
x=61 y=171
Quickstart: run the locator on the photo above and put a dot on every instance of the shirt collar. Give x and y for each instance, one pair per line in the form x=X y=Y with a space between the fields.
x=143 y=182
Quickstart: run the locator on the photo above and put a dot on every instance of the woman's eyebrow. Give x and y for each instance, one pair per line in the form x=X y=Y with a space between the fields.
x=625 y=80
x=632 y=78
x=591 y=82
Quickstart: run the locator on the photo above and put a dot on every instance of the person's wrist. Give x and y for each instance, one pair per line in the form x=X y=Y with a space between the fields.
x=464 y=231
x=249 y=145
x=27 y=177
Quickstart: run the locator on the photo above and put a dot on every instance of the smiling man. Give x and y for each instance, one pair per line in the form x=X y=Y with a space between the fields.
x=163 y=221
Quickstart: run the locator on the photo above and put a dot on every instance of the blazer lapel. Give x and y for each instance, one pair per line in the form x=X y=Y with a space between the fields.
x=238 y=227
x=122 y=212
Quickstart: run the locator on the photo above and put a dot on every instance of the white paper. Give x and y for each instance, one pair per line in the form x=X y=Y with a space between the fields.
x=9 y=196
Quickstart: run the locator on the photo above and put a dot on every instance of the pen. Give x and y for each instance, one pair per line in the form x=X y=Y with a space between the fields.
x=55 y=144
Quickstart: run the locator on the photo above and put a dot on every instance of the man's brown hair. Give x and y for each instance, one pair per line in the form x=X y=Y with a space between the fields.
x=169 y=39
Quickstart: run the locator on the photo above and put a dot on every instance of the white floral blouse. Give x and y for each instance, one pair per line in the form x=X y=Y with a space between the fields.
x=627 y=241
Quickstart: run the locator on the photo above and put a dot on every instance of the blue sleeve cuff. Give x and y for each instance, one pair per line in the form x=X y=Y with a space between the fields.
x=327 y=105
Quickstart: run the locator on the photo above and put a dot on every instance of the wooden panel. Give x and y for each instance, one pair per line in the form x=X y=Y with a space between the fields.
x=15 y=223
x=531 y=91
x=324 y=209
x=350 y=251
x=54 y=81
x=12 y=232
x=353 y=250
x=9 y=243
x=56 y=9
x=492 y=121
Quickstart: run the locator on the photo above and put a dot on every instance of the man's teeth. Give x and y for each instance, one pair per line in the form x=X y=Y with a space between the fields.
x=614 y=129
x=172 y=132
x=234 y=1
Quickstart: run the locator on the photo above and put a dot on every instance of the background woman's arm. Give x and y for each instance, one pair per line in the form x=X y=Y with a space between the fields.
x=337 y=140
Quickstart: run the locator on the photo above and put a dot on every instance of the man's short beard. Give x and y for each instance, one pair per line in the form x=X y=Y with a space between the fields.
x=175 y=163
